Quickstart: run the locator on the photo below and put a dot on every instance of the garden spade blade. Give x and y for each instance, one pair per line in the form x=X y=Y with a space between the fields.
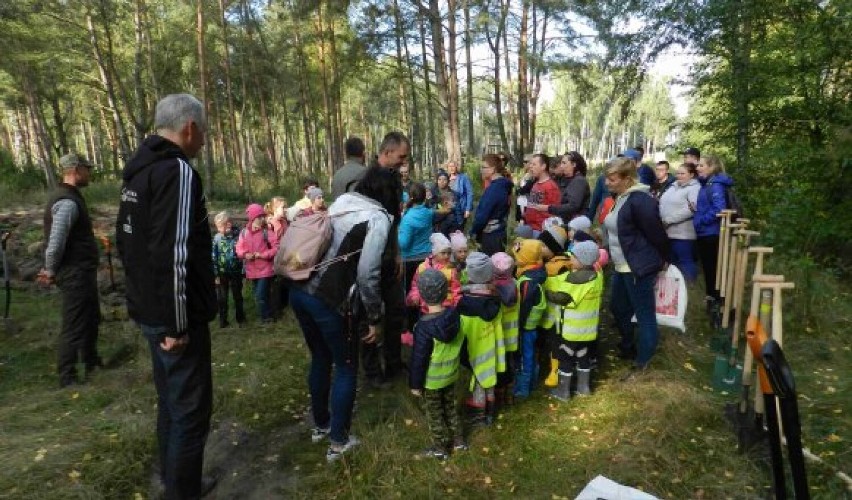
x=8 y=324
x=727 y=373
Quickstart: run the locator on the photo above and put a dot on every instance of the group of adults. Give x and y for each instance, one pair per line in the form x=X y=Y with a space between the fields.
x=353 y=304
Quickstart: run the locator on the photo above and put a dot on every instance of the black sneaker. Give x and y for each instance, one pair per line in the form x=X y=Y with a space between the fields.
x=459 y=444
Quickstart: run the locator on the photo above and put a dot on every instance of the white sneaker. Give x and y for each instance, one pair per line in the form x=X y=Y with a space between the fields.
x=319 y=433
x=336 y=451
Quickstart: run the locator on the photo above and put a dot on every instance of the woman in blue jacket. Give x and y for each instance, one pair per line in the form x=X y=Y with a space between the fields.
x=489 y=223
x=461 y=185
x=711 y=201
x=638 y=247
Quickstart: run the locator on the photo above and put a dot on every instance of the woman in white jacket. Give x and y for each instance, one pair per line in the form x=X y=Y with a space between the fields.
x=677 y=207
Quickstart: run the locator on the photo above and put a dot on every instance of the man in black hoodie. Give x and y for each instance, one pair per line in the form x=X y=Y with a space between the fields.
x=163 y=238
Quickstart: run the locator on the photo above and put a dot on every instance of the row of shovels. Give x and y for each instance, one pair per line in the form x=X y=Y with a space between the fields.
x=775 y=394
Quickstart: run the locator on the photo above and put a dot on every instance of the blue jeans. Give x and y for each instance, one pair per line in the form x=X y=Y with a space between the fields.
x=327 y=339
x=631 y=295
x=261 y=297
x=683 y=256
x=184 y=405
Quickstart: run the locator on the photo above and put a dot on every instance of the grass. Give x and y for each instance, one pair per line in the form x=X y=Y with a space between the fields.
x=664 y=433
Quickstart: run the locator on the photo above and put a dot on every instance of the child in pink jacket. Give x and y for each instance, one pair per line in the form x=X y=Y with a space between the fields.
x=440 y=260
x=257 y=247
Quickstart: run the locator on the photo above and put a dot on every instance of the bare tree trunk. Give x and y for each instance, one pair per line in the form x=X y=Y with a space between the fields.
x=328 y=122
x=141 y=121
x=416 y=132
x=235 y=136
x=430 y=118
x=539 y=44
x=106 y=80
x=494 y=45
x=400 y=79
x=505 y=6
x=43 y=143
x=449 y=103
x=523 y=84
x=59 y=123
x=261 y=93
x=207 y=160
x=471 y=143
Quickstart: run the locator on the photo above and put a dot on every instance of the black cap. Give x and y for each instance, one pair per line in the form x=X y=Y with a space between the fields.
x=692 y=151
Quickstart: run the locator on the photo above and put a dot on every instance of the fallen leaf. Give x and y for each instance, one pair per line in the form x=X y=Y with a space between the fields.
x=75 y=395
x=689 y=367
x=74 y=475
x=408 y=421
x=834 y=438
x=487 y=480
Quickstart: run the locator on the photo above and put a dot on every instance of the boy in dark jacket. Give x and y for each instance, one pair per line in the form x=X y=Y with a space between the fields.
x=435 y=365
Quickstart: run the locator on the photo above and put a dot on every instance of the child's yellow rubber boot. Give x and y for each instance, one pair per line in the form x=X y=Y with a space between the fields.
x=552 y=379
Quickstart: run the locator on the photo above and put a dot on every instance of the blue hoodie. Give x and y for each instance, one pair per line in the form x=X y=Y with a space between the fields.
x=494 y=204
x=414 y=231
x=711 y=201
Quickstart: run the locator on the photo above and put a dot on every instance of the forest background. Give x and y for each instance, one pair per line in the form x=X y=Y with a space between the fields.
x=285 y=82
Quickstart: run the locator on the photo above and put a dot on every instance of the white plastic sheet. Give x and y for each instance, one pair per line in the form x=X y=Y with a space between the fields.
x=604 y=488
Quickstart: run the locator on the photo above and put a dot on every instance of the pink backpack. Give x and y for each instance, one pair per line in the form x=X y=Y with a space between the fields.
x=304 y=245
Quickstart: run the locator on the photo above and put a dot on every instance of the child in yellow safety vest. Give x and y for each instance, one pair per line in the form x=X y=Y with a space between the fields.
x=577 y=296
x=531 y=276
x=434 y=367
x=507 y=290
x=556 y=262
x=482 y=328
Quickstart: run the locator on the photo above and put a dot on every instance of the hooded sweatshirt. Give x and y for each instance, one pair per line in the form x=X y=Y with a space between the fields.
x=262 y=241
x=359 y=224
x=163 y=239
x=414 y=232
x=676 y=212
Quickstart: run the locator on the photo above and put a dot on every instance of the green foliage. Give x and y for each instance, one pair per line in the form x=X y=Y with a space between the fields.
x=18 y=182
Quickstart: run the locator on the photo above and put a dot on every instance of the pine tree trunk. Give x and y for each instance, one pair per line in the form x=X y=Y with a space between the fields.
x=207 y=159
x=430 y=117
x=523 y=84
x=232 y=118
x=471 y=141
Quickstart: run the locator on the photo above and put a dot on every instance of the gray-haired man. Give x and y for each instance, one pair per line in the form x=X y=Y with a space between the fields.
x=163 y=238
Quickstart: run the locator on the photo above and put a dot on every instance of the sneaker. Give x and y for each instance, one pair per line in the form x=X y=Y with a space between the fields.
x=435 y=452
x=319 y=433
x=335 y=451
x=459 y=444
x=634 y=373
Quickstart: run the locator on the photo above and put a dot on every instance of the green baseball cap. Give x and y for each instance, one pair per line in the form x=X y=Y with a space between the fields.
x=72 y=160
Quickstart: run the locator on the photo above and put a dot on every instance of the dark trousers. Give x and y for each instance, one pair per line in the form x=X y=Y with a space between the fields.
x=184 y=405
x=442 y=416
x=279 y=296
x=81 y=315
x=494 y=242
x=394 y=323
x=574 y=354
x=632 y=295
x=412 y=314
x=234 y=284
x=708 y=252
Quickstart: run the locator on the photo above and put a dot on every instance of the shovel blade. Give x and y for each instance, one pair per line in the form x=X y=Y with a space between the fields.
x=727 y=377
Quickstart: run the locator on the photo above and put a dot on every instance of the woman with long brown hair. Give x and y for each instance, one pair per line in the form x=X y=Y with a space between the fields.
x=489 y=223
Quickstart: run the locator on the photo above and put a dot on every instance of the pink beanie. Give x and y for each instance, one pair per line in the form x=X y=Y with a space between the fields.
x=458 y=241
x=503 y=263
x=254 y=211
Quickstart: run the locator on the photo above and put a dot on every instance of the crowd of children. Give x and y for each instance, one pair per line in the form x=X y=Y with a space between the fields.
x=497 y=316
x=249 y=253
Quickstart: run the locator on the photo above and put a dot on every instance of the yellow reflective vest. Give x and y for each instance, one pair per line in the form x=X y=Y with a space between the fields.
x=444 y=363
x=537 y=311
x=578 y=321
x=482 y=338
x=510 y=316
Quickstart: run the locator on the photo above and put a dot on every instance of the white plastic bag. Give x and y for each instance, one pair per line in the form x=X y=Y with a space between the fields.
x=670 y=298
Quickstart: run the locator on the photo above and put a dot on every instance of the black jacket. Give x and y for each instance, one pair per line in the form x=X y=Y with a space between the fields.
x=641 y=234
x=443 y=326
x=163 y=239
x=574 y=197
